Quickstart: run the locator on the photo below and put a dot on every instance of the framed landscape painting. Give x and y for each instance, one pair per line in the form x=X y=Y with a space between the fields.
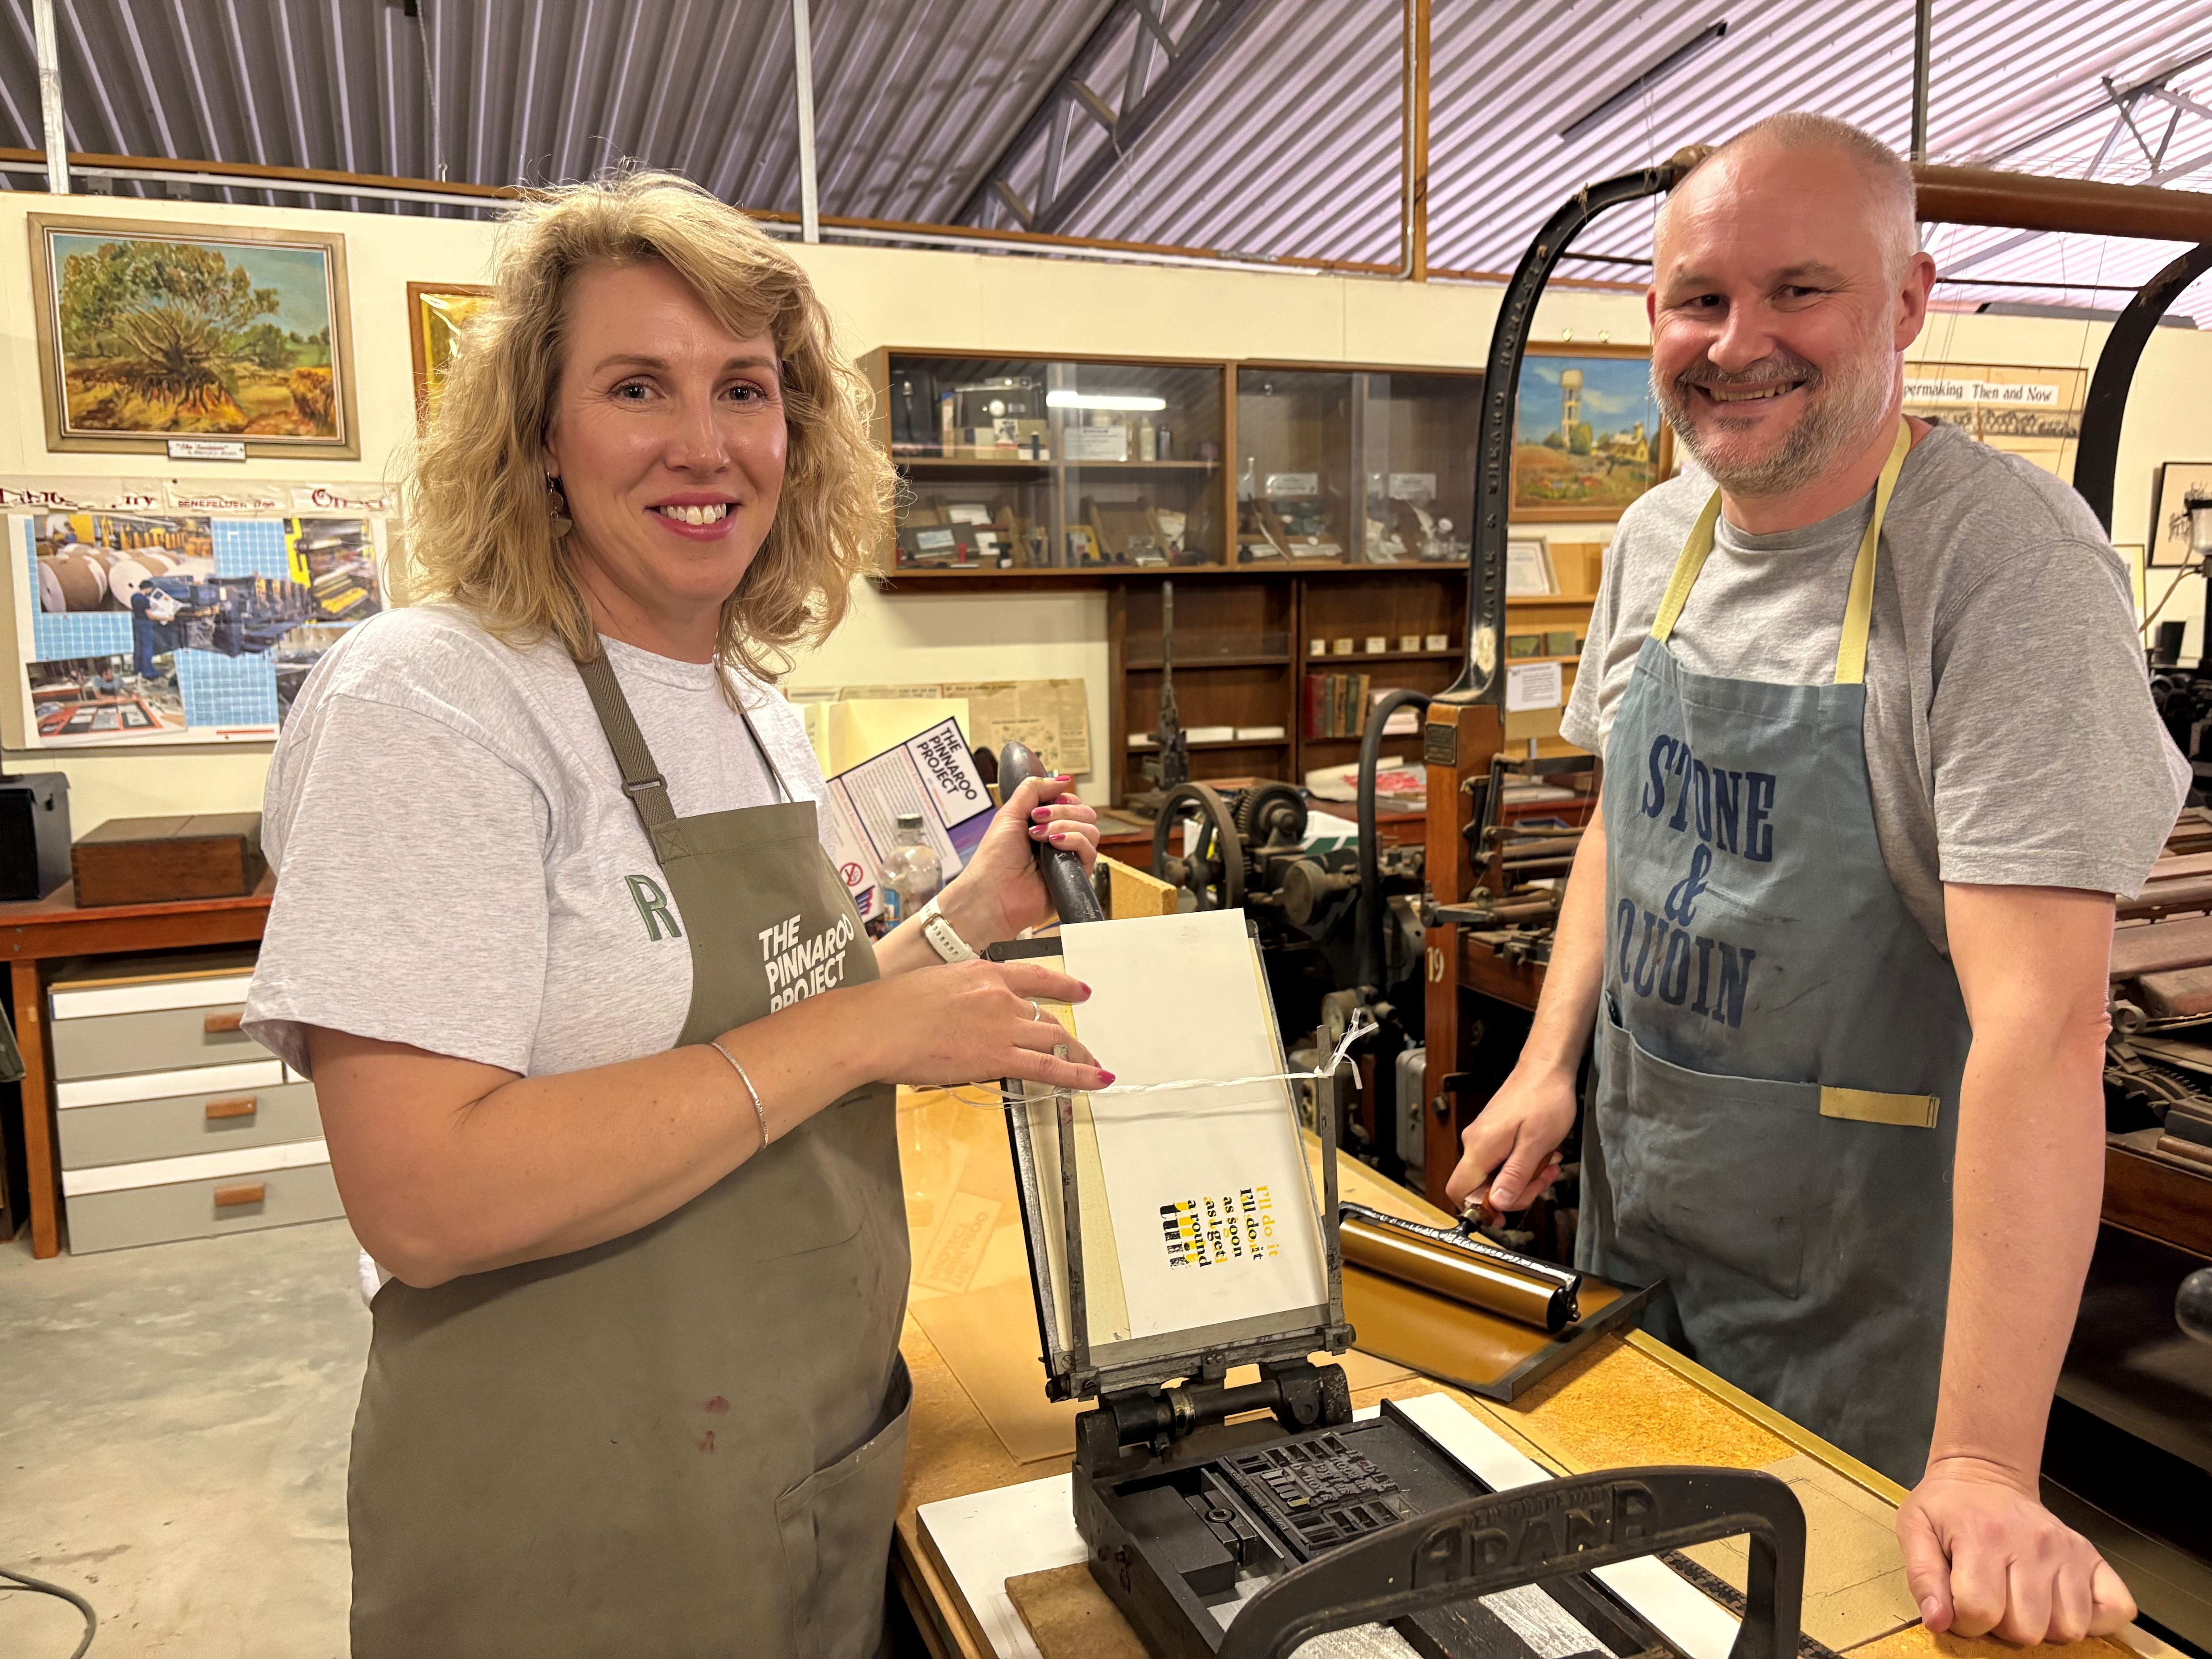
x=1587 y=436
x=437 y=313
x=149 y=331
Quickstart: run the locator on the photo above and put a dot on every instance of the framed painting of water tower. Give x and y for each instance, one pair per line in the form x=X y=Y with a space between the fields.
x=1587 y=436
x=150 y=330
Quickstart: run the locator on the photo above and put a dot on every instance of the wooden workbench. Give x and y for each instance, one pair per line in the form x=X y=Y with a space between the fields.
x=36 y=934
x=1628 y=1400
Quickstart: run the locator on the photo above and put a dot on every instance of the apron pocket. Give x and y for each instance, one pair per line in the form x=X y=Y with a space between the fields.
x=1711 y=1168
x=836 y=1527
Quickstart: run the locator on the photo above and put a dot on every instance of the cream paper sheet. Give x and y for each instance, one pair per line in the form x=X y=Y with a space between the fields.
x=1212 y=1216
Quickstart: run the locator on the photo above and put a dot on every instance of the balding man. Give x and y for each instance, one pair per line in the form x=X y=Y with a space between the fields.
x=1880 y=751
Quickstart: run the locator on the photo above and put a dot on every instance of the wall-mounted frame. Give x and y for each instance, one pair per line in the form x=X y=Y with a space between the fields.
x=1589 y=437
x=2031 y=412
x=148 y=330
x=2177 y=481
x=436 y=314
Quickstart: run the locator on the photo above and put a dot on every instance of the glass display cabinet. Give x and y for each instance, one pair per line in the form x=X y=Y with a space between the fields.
x=1354 y=466
x=1023 y=464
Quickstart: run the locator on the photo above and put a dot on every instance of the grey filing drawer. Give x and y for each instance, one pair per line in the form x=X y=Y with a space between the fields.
x=178 y=1126
x=159 y=1040
x=188 y=1209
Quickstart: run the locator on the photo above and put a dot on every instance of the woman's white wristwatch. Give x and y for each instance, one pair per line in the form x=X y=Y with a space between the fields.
x=942 y=939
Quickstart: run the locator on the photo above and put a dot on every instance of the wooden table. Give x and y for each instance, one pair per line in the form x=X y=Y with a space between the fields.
x=35 y=935
x=1628 y=1400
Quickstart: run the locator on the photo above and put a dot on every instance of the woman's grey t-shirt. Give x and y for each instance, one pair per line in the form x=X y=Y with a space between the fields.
x=458 y=867
x=2010 y=737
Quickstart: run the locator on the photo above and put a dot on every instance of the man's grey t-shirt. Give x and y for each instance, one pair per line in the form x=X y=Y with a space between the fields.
x=2010 y=738
x=458 y=867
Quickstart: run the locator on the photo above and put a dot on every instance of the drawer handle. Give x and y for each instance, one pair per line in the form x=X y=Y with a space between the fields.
x=236 y=1106
x=217 y=1023
x=229 y=1197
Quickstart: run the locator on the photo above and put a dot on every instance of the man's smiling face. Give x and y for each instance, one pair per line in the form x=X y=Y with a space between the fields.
x=1778 y=314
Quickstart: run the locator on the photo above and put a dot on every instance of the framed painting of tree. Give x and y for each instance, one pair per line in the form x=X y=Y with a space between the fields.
x=149 y=331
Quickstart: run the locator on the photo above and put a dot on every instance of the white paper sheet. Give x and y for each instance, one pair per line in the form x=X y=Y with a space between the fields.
x=1213 y=1220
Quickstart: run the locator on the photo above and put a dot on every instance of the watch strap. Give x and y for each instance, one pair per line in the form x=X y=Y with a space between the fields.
x=942 y=937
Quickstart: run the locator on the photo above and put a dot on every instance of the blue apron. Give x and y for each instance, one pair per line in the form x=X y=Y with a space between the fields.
x=1779 y=1045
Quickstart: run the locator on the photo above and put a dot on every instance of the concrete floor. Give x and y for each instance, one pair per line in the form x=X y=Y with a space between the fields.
x=173 y=1426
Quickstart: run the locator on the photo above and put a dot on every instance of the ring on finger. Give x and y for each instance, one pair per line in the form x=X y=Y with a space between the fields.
x=1035 y=1013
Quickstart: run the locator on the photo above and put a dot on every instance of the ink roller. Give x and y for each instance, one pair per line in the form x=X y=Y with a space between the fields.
x=1465 y=1268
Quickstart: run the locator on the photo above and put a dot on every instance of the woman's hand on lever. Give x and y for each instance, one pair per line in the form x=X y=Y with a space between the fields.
x=1000 y=892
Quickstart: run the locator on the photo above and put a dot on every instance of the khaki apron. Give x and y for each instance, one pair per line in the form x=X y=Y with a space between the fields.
x=1779 y=1045
x=686 y=1441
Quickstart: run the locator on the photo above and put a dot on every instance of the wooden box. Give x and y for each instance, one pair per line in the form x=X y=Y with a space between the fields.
x=155 y=861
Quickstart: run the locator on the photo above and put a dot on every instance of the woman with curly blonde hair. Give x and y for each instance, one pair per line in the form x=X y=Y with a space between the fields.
x=604 y=1057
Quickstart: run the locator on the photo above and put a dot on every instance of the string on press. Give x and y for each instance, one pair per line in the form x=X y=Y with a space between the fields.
x=1361 y=1025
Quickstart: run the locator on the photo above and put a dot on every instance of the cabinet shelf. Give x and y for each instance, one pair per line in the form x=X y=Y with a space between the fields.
x=948 y=462
x=1260 y=659
x=1334 y=660
x=1220 y=743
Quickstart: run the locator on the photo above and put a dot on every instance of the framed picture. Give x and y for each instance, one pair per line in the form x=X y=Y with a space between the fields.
x=2178 y=484
x=1587 y=436
x=436 y=314
x=2035 y=413
x=149 y=331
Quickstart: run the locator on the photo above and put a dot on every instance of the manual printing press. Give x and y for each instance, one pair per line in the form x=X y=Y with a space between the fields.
x=1175 y=1236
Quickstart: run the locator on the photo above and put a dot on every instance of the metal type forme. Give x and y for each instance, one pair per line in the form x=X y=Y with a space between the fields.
x=1536 y=1533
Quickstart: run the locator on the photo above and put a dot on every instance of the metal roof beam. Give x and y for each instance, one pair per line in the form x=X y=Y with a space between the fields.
x=1208 y=28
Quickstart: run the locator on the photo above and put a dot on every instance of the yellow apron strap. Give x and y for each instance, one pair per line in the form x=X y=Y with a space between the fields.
x=1859 y=613
x=1694 y=552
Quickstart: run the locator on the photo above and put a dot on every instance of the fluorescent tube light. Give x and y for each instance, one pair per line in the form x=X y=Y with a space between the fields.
x=1100 y=400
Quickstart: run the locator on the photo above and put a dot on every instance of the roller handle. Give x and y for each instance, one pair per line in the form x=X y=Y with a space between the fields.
x=1063 y=880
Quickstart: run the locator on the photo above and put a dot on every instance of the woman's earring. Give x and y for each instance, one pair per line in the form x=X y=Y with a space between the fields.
x=556 y=509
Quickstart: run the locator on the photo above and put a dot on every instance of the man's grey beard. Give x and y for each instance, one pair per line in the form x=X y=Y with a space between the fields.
x=1839 y=411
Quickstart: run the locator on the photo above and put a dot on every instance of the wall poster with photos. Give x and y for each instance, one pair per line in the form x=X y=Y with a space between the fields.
x=149 y=331
x=150 y=612
x=2033 y=413
x=1587 y=434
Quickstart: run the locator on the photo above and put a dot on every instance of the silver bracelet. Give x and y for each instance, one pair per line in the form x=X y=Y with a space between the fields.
x=759 y=1110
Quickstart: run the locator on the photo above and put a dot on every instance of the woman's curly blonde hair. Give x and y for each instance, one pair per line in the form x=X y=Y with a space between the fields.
x=479 y=529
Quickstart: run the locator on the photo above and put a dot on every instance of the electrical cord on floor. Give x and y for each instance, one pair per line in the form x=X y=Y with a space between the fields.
x=9 y=1578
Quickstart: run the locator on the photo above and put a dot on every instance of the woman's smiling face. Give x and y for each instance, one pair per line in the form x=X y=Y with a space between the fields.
x=667 y=437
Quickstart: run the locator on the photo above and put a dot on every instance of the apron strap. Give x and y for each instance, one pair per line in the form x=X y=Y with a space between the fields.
x=1694 y=553
x=642 y=780
x=1858 y=611
x=1858 y=608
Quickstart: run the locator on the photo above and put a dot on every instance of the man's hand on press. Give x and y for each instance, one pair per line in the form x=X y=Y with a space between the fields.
x=1982 y=1555
x=1517 y=1135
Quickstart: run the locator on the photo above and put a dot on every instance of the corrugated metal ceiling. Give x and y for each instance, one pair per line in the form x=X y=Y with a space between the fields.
x=1288 y=143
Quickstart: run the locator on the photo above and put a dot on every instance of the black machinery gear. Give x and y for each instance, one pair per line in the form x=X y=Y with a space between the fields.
x=1212 y=871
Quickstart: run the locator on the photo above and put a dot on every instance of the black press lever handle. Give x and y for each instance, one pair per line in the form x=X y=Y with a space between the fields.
x=1070 y=888
x=1538 y=1531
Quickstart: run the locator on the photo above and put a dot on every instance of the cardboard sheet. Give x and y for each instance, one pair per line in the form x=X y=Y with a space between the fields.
x=1212 y=1216
x=1855 y=1588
